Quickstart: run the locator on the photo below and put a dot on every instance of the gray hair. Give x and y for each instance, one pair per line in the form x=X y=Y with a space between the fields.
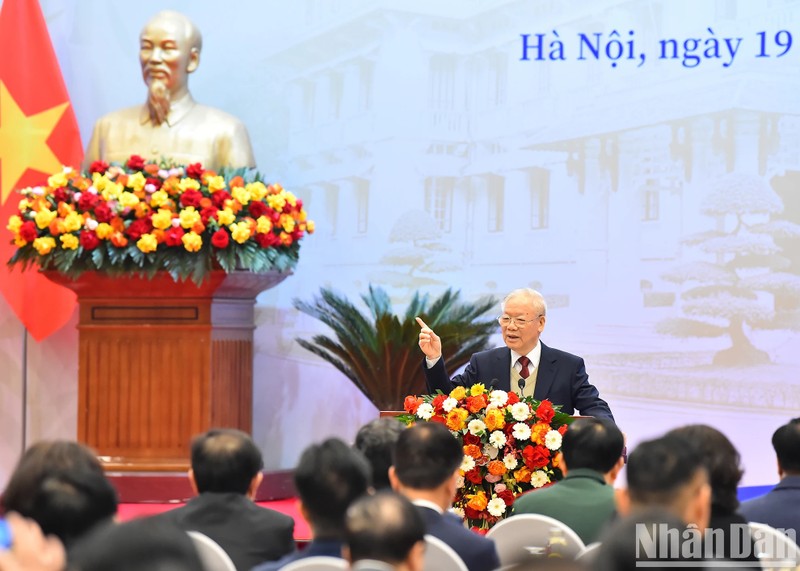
x=537 y=300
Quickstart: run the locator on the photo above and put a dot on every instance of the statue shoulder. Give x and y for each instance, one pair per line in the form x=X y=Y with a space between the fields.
x=220 y=117
x=120 y=115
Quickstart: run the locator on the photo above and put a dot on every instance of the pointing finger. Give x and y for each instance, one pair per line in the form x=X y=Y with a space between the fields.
x=422 y=323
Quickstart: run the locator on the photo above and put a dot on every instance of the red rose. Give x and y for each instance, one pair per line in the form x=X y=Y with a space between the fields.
x=102 y=212
x=220 y=239
x=535 y=456
x=195 y=171
x=545 y=411
x=267 y=240
x=135 y=163
x=258 y=209
x=478 y=403
x=87 y=201
x=299 y=204
x=98 y=166
x=139 y=227
x=411 y=404
x=218 y=198
x=437 y=403
x=472 y=513
x=89 y=240
x=28 y=231
x=208 y=213
x=155 y=181
x=297 y=234
x=513 y=398
x=173 y=236
x=474 y=476
x=191 y=198
x=60 y=194
x=563 y=429
x=507 y=496
x=471 y=439
x=438 y=418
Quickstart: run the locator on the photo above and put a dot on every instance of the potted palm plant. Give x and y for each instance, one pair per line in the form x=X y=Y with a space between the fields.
x=377 y=349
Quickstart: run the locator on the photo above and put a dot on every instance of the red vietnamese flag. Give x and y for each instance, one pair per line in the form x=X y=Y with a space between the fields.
x=38 y=134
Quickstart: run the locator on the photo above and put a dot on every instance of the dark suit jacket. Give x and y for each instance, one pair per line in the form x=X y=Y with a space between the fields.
x=249 y=534
x=478 y=552
x=561 y=379
x=317 y=548
x=780 y=507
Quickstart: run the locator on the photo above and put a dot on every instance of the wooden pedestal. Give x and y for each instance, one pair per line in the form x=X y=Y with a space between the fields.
x=161 y=361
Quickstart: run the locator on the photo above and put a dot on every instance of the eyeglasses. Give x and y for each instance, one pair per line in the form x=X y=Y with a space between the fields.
x=506 y=320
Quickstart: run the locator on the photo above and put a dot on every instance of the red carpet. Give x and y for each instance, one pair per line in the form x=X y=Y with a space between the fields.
x=288 y=506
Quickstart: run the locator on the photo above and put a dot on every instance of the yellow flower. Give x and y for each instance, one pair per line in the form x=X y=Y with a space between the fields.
x=19 y=242
x=137 y=181
x=189 y=217
x=24 y=204
x=44 y=245
x=225 y=217
x=477 y=389
x=286 y=222
x=159 y=198
x=128 y=199
x=99 y=181
x=72 y=222
x=495 y=420
x=276 y=201
x=241 y=194
x=188 y=183
x=44 y=217
x=310 y=226
x=104 y=231
x=456 y=418
x=148 y=243
x=240 y=232
x=68 y=241
x=458 y=393
x=291 y=198
x=478 y=501
x=257 y=190
x=14 y=224
x=162 y=219
x=112 y=190
x=57 y=180
x=263 y=225
x=192 y=241
x=215 y=183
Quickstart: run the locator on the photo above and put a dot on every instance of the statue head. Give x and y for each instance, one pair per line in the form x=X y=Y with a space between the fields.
x=169 y=50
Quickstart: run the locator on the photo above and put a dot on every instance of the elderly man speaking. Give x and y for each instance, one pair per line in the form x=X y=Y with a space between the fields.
x=525 y=365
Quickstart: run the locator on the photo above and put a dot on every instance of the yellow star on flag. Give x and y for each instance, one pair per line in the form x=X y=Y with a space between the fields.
x=23 y=141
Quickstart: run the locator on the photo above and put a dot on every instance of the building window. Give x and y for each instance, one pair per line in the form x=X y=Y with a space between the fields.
x=309 y=102
x=366 y=78
x=439 y=200
x=495 y=193
x=442 y=94
x=650 y=204
x=362 y=205
x=336 y=91
x=540 y=198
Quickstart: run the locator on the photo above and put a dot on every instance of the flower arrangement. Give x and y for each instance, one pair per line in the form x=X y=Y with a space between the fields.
x=142 y=217
x=510 y=446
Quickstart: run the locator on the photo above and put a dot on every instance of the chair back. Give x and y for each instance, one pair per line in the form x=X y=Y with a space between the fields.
x=588 y=553
x=316 y=563
x=775 y=550
x=441 y=557
x=524 y=536
x=212 y=556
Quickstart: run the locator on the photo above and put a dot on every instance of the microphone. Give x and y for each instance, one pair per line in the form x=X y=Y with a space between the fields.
x=493 y=384
x=521 y=384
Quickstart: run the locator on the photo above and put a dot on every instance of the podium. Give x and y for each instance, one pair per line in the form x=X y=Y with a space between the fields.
x=160 y=361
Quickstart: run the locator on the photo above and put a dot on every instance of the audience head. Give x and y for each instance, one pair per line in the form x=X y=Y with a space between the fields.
x=376 y=441
x=386 y=527
x=669 y=472
x=426 y=459
x=61 y=486
x=328 y=478
x=786 y=442
x=226 y=461
x=138 y=545
x=721 y=460
x=594 y=443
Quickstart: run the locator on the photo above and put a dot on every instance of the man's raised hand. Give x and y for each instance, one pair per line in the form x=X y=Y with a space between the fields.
x=429 y=342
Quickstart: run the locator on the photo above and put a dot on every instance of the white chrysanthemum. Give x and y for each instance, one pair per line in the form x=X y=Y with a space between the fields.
x=458 y=511
x=552 y=440
x=521 y=431
x=468 y=463
x=496 y=507
x=459 y=481
x=490 y=451
x=539 y=478
x=476 y=427
x=449 y=404
x=510 y=462
x=498 y=439
x=498 y=398
x=425 y=411
x=520 y=411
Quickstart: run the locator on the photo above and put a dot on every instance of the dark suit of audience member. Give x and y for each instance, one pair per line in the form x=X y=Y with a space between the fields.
x=780 y=507
x=328 y=478
x=62 y=487
x=226 y=473
x=525 y=365
x=584 y=499
x=384 y=531
x=723 y=464
x=426 y=467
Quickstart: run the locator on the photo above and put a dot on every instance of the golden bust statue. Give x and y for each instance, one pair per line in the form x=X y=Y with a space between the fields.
x=171 y=125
